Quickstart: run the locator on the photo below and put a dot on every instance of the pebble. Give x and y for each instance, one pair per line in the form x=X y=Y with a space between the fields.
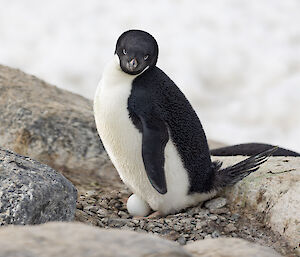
x=234 y=217
x=207 y=237
x=219 y=211
x=216 y=203
x=230 y=228
x=91 y=193
x=181 y=240
x=213 y=217
x=91 y=208
x=215 y=234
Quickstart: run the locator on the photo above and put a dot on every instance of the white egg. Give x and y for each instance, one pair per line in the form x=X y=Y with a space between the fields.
x=137 y=207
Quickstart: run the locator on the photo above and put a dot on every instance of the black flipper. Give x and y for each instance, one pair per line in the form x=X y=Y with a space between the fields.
x=249 y=149
x=155 y=138
x=232 y=174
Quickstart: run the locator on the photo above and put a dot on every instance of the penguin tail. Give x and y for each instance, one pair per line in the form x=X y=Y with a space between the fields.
x=232 y=174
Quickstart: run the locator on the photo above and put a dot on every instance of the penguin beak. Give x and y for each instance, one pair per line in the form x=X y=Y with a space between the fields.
x=132 y=64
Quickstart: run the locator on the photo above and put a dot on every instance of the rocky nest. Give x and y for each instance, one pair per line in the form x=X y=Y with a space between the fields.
x=102 y=202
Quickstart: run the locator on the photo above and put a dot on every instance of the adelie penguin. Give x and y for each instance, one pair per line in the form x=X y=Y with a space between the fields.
x=154 y=137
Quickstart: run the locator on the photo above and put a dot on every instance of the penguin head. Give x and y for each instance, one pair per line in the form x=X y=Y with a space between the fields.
x=137 y=51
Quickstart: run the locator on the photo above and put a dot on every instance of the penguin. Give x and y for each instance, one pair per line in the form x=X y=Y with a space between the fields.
x=153 y=135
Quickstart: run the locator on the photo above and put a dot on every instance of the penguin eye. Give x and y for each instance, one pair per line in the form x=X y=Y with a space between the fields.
x=124 y=51
x=146 y=57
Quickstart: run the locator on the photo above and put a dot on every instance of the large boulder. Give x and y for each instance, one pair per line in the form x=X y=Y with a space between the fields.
x=272 y=194
x=33 y=193
x=48 y=124
x=229 y=247
x=79 y=240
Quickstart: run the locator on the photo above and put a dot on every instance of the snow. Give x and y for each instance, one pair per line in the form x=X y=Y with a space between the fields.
x=238 y=61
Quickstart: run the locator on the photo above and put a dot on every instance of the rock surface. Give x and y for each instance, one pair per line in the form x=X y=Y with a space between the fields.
x=229 y=247
x=79 y=240
x=48 y=124
x=272 y=194
x=33 y=193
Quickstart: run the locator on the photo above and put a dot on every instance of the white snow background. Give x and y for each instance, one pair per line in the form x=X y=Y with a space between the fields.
x=238 y=61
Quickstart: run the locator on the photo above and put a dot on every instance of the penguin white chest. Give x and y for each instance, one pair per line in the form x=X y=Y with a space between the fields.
x=122 y=141
x=119 y=136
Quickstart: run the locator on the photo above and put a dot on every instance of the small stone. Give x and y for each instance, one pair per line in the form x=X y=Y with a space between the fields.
x=91 y=208
x=202 y=214
x=135 y=221
x=213 y=217
x=172 y=235
x=156 y=229
x=91 y=193
x=79 y=206
x=177 y=228
x=222 y=218
x=234 y=217
x=181 y=240
x=230 y=228
x=219 y=211
x=215 y=234
x=200 y=225
x=216 y=203
x=123 y=214
x=207 y=237
x=102 y=212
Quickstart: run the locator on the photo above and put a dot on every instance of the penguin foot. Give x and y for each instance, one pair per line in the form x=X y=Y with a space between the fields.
x=155 y=215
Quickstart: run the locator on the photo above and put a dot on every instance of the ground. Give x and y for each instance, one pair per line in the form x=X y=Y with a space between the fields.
x=102 y=202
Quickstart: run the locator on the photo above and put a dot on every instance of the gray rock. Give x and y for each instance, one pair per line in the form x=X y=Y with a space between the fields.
x=79 y=240
x=229 y=247
x=230 y=228
x=33 y=193
x=48 y=124
x=181 y=240
x=216 y=203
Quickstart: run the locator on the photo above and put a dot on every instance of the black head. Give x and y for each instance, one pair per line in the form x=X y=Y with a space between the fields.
x=137 y=50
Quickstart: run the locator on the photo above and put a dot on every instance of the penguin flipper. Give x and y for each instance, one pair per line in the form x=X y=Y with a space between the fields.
x=155 y=138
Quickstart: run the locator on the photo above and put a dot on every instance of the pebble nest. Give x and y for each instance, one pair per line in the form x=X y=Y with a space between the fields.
x=102 y=202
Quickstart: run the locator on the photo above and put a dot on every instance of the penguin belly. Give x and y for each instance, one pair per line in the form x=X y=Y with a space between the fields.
x=123 y=143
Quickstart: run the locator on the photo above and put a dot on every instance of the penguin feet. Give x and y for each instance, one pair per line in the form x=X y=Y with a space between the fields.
x=155 y=215
x=137 y=206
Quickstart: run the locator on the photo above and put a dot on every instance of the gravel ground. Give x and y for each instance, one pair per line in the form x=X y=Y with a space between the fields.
x=102 y=202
